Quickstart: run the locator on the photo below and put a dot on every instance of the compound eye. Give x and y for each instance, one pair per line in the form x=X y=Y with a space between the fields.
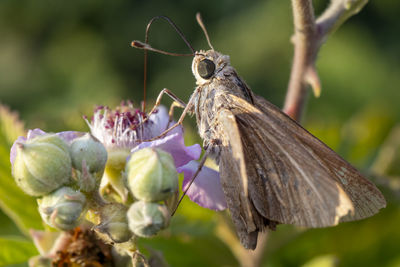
x=206 y=68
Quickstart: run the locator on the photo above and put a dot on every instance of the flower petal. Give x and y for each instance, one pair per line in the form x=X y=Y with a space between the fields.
x=13 y=150
x=69 y=136
x=158 y=122
x=174 y=144
x=33 y=133
x=22 y=139
x=206 y=190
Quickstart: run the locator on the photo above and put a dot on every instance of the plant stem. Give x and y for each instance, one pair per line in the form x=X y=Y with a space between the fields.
x=247 y=258
x=308 y=38
x=304 y=24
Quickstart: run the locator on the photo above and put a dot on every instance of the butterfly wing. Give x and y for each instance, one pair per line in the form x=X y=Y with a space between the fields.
x=366 y=198
x=234 y=182
x=287 y=175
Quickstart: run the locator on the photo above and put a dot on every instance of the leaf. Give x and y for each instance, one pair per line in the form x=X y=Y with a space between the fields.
x=10 y=125
x=186 y=250
x=322 y=261
x=21 y=208
x=15 y=250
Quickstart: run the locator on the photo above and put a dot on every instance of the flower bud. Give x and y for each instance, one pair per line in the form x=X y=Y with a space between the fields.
x=88 y=152
x=42 y=164
x=114 y=223
x=63 y=208
x=152 y=175
x=146 y=219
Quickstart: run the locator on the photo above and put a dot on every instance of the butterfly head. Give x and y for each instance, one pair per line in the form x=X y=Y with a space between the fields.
x=207 y=65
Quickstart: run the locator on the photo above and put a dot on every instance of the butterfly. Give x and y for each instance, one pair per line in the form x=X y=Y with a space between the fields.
x=272 y=170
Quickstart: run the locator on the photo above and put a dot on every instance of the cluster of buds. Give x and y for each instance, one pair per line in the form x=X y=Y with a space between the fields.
x=58 y=169
x=150 y=176
x=112 y=178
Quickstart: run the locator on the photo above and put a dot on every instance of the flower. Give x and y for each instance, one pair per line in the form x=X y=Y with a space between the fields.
x=123 y=130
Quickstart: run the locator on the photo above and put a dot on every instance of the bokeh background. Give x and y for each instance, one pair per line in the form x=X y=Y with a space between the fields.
x=58 y=60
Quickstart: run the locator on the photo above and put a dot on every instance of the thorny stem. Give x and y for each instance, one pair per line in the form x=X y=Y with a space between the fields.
x=310 y=34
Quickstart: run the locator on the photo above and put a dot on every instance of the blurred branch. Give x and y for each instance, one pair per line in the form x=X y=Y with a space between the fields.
x=247 y=258
x=386 y=158
x=336 y=14
x=308 y=38
x=389 y=185
x=388 y=152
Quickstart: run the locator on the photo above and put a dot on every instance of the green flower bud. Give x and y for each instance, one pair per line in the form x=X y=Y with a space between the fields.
x=88 y=153
x=114 y=223
x=63 y=208
x=147 y=219
x=152 y=175
x=42 y=164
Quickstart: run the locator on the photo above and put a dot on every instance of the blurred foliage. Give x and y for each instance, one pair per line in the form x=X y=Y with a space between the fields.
x=15 y=203
x=60 y=59
x=15 y=250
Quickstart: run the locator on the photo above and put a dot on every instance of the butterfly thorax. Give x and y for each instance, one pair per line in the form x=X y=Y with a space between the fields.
x=212 y=95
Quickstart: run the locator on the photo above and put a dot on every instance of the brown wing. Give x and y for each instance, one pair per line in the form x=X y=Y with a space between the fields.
x=286 y=174
x=366 y=198
x=235 y=183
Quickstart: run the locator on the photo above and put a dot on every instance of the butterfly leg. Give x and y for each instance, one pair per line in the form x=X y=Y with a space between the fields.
x=174 y=105
x=187 y=106
x=179 y=103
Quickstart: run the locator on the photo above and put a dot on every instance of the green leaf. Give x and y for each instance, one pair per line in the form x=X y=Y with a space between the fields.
x=21 y=208
x=15 y=250
x=322 y=261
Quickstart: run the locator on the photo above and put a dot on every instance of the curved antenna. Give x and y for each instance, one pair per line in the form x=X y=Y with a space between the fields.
x=144 y=46
x=173 y=26
x=200 y=22
x=147 y=47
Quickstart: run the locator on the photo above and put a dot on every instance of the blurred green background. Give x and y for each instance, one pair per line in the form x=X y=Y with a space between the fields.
x=60 y=59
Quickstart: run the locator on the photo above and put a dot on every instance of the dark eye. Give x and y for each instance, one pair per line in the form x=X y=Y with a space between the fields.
x=206 y=68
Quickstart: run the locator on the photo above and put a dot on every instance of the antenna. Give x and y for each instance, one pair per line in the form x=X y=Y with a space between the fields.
x=146 y=47
x=200 y=22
